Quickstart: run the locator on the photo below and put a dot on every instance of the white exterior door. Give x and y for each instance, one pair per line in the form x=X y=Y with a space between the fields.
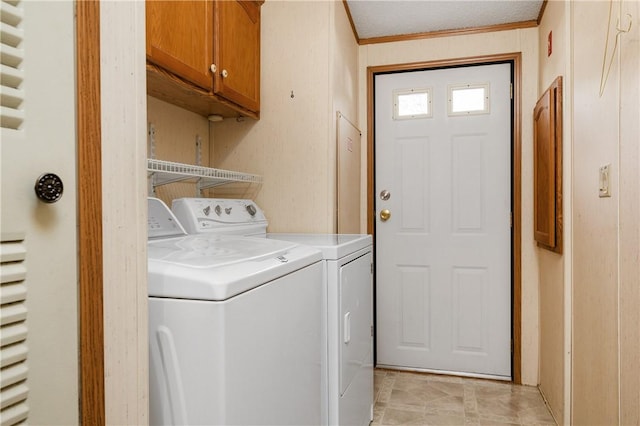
x=444 y=255
x=39 y=346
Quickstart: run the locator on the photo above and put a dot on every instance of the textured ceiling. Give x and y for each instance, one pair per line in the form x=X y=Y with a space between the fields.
x=381 y=18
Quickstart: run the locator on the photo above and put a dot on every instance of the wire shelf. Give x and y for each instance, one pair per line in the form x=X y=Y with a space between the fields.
x=165 y=172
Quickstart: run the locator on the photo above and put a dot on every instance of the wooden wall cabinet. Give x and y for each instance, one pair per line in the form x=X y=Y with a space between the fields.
x=547 y=166
x=180 y=39
x=204 y=56
x=237 y=52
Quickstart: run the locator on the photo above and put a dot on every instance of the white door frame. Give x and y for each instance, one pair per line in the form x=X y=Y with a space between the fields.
x=112 y=264
x=516 y=60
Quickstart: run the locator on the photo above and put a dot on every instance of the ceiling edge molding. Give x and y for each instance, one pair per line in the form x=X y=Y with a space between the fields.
x=353 y=26
x=446 y=33
x=542 y=9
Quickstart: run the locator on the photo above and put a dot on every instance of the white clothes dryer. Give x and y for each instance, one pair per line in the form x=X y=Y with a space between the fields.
x=348 y=272
x=348 y=263
x=235 y=329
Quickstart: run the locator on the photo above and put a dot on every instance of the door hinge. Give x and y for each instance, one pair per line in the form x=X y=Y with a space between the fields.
x=511 y=90
x=371 y=268
x=511 y=219
x=512 y=346
x=371 y=331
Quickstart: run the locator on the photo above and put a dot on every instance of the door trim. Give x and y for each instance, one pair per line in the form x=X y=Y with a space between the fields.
x=90 y=277
x=516 y=152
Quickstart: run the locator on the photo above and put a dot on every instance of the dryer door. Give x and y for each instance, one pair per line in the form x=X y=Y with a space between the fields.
x=356 y=317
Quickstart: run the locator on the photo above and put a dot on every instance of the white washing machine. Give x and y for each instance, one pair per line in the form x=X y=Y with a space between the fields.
x=348 y=270
x=235 y=328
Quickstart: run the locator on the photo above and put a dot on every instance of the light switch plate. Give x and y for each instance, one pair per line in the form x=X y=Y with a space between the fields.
x=604 y=189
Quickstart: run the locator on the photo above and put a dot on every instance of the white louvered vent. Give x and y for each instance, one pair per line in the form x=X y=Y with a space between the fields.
x=11 y=72
x=13 y=331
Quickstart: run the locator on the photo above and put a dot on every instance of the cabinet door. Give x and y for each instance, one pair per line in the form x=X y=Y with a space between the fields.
x=544 y=159
x=179 y=38
x=547 y=166
x=237 y=52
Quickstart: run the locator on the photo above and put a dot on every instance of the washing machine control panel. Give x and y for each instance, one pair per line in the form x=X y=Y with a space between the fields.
x=161 y=222
x=229 y=216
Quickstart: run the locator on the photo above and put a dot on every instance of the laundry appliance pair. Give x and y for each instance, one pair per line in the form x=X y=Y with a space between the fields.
x=347 y=298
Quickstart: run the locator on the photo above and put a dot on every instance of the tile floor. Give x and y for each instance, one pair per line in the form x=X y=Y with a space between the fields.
x=405 y=398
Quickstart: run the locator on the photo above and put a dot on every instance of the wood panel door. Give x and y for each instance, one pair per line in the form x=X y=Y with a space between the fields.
x=180 y=39
x=237 y=52
x=547 y=168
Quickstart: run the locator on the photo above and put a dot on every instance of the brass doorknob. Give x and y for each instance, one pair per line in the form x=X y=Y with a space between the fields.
x=385 y=215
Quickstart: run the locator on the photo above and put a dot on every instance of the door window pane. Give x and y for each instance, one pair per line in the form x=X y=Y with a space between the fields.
x=469 y=99
x=411 y=103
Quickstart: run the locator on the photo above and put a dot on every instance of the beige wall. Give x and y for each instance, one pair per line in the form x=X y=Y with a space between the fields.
x=605 y=376
x=344 y=74
x=525 y=41
x=552 y=268
x=601 y=266
x=595 y=296
x=176 y=132
x=629 y=213
x=307 y=52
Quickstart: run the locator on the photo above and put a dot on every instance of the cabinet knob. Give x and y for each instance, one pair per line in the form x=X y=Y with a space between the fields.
x=225 y=74
x=213 y=68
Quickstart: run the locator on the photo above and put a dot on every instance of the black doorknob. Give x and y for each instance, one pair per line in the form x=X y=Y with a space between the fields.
x=49 y=187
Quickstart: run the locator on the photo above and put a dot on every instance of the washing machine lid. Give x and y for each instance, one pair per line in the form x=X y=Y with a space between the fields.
x=332 y=246
x=214 y=267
